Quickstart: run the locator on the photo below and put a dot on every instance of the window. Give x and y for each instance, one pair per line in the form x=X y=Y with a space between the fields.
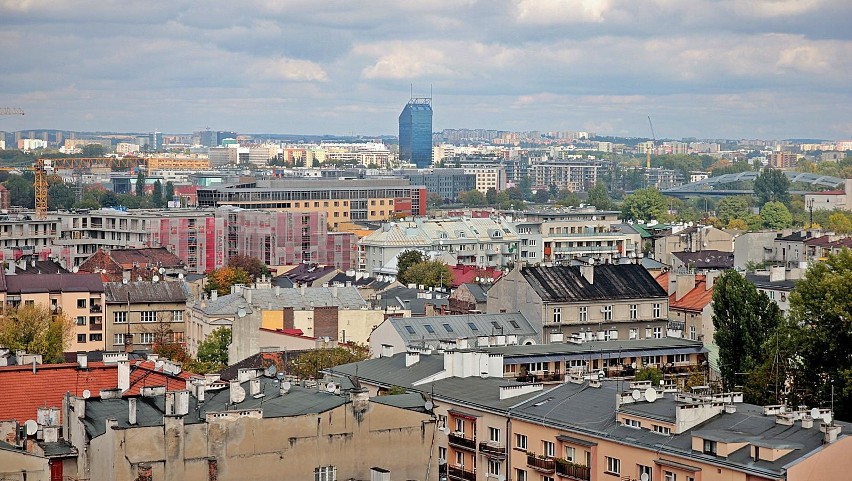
x=459 y=425
x=442 y=421
x=146 y=338
x=493 y=467
x=645 y=470
x=662 y=430
x=569 y=453
x=118 y=339
x=634 y=311
x=81 y=303
x=532 y=242
x=325 y=473
x=448 y=327
x=669 y=476
x=584 y=314
x=472 y=326
x=119 y=317
x=96 y=337
x=81 y=320
x=634 y=333
x=657 y=311
x=607 y=313
x=520 y=441
x=409 y=329
x=442 y=453
x=148 y=316
x=81 y=338
x=520 y=475
x=658 y=333
x=557 y=315
x=633 y=423
x=548 y=449
x=692 y=334
x=709 y=447
x=459 y=459
x=514 y=324
x=546 y=478
x=429 y=328
x=494 y=434
x=613 y=465
x=177 y=316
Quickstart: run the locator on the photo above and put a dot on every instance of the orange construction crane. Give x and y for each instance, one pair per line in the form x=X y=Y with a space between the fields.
x=44 y=167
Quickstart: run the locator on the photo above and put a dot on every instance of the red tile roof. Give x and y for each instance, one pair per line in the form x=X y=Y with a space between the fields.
x=24 y=392
x=695 y=300
x=464 y=274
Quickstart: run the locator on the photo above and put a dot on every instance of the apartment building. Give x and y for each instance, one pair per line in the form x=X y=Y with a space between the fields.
x=487 y=177
x=141 y=314
x=353 y=200
x=572 y=175
x=588 y=302
x=23 y=234
x=693 y=239
x=446 y=183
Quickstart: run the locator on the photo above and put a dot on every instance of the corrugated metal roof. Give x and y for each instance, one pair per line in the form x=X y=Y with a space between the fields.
x=610 y=281
x=464 y=326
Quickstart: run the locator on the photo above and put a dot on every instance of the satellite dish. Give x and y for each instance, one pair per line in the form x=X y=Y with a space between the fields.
x=75 y=269
x=827 y=418
x=270 y=371
x=330 y=387
x=87 y=394
x=239 y=394
x=286 y=386
x=650 y=394
x=241 y=312
x=162 y=270
x=155 y=279
x=31 y=427
x=124 y=281
x=636 y=394
x=633 y=365
x=644 y=477
x=180 y=276
x=428 y=406
x=815 y=413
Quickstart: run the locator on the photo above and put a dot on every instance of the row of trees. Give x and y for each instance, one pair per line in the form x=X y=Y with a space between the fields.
x=799 y=359
x=63 y=196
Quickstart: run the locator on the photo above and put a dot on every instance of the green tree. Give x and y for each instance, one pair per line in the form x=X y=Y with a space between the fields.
x=253 y=266
x=840 y=223
x=36 y=330
x=821 y=323
x=472 y=198
x=214 y=348
x=140 y=183
x=775 y=215
x=312 y=363
x=429 y=274
x=644 y=204
x=491 y=196
x=649 y=374
x=566 y=198
x=735 y=207
x=405 y=260
x=109 y=199
x=541 y=196
x=93 y=150
x=157 y=194
x=223 y=278
x=524 y=188
x=60 y=196
x=21 y=191
x=743 y=319
x=433 y=201
x=599 y=197
x=170 y=191
x=772 y=185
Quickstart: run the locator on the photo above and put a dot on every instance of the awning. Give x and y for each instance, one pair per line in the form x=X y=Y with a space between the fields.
x=577 y=441
x=677 y=465
x=463 y=415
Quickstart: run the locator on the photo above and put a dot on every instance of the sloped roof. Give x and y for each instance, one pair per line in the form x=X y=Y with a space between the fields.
x=24 y=391
x=477 y=292
x=610 y=281
x=280 y=359
x=466 y=274
x=32 y=283
x=346 y=298
x=148 y=292
x=153 y=256
x=465 y=326
x=707 y=259
x=398 y=234
x=308 y=272
x=695 y=300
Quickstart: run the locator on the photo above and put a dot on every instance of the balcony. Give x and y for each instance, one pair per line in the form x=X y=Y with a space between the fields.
x=458 y=472
x=492 y=449
x=570 y=470
x=458 y=440
x=95 y=309
x=546 y=465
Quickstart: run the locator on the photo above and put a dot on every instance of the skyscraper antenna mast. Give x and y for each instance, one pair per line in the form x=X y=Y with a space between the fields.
x=411 y=86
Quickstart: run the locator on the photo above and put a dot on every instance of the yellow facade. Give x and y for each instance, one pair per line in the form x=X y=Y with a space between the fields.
x=177 y=164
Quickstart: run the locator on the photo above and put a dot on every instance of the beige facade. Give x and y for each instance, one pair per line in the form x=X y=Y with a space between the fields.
x=145 y=322
x=84 y=309
x=693 y=239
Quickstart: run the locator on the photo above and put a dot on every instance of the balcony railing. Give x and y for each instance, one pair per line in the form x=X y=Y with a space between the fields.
x=573 y=471
x=95 y=308
x=492 y=449
x=458 y=472
x=546 y=465
x=458 y=440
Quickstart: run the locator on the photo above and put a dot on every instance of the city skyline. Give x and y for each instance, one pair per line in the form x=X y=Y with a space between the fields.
x=768 y=69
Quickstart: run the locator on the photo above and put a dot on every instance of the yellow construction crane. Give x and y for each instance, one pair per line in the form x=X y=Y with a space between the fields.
x=44 y=167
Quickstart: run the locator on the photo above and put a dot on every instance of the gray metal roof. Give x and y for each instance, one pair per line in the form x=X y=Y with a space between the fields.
x=464 y=326
x=345 y=298
x=145 y=291
x=604 y=349
x=610 y=281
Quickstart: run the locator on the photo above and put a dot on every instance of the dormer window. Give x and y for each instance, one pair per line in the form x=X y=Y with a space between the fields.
x=709 y=447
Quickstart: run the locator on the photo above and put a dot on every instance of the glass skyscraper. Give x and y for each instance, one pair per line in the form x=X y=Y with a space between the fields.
x=415 y=132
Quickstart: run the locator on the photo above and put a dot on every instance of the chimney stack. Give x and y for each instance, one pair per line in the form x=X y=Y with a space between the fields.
x=387 y=350
x=588 y=273
x=123 y=375
x=131 y=411
x=214 y=294
x=411 y=358
x=82 y=360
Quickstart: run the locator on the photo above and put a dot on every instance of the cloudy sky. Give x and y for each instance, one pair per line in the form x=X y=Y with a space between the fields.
x=699 y=68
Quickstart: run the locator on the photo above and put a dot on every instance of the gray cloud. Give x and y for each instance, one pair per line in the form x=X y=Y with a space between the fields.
x=707 y=68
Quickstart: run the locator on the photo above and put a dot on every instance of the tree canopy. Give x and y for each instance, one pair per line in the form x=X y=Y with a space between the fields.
x=429 y=274
x=223 y=278
x=644 y=204
x=735 y=207
x=599 y=197
x=743 y=318
x=214 y=348
x=772 y=185
x=775 y=215
x=36 y=330
x=312 y=363
x=252 y=266
x=405 y=260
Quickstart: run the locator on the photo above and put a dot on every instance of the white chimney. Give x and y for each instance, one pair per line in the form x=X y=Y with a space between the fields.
x=588 y=273
x=556 y=338
x=247 y=295
x=387 y=350
x=411 y=358
x=82 y=360
x=214 y=294
x=334 y=292
x=131 y=411
x=123 y=375
x=254 y=385
x=277 y=291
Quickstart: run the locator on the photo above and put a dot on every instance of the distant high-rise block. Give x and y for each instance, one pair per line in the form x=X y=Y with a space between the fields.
x=415 y=132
